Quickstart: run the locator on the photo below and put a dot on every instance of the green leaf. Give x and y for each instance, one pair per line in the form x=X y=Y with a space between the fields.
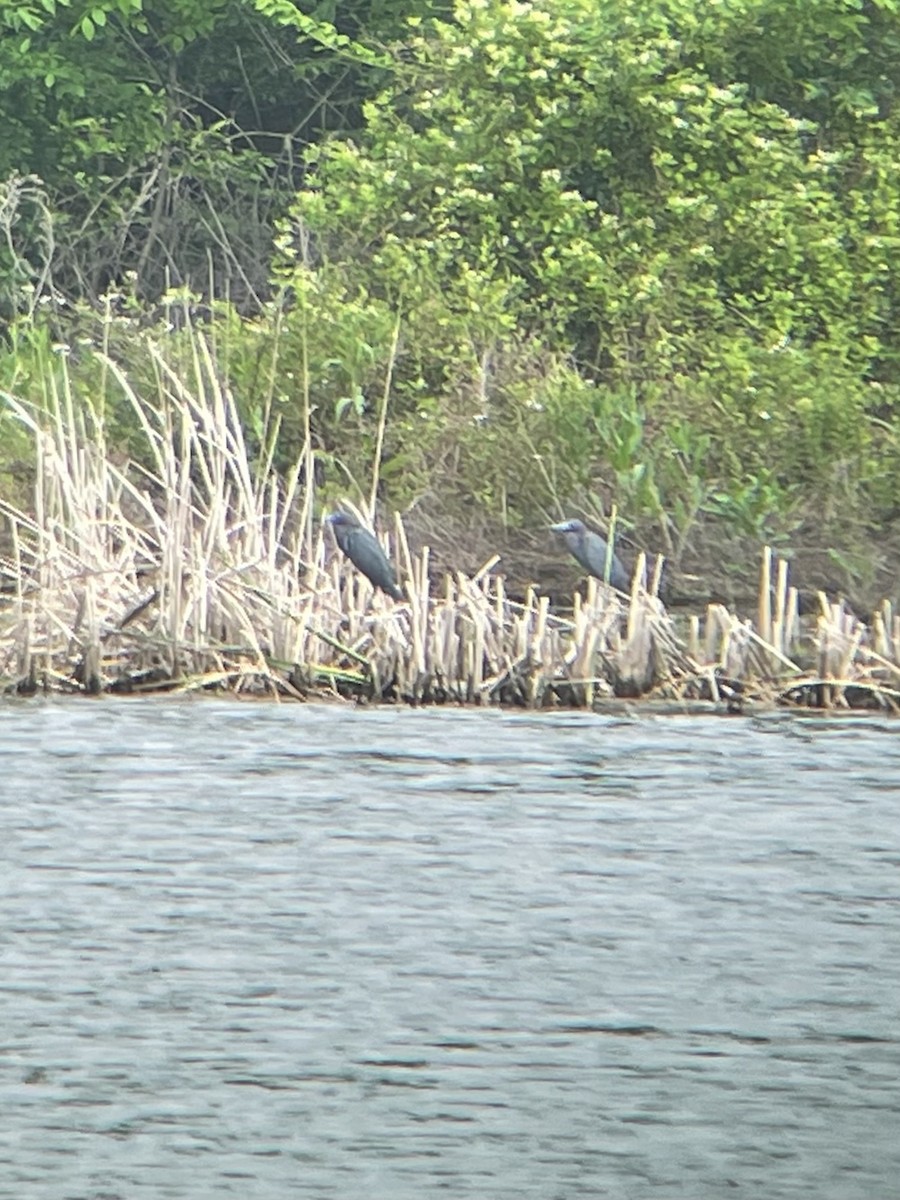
x=356 y=402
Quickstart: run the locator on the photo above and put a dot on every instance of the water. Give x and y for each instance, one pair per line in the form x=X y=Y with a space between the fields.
x=274 y=951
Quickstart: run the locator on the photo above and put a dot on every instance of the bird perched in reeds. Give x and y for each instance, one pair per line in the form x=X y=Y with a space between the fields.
x=591 y=551
x=365 y=552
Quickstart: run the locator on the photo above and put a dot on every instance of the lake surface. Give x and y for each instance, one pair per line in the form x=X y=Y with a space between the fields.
x=274 y=951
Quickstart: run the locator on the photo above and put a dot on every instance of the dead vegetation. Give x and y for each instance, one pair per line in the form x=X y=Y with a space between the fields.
x=202 y=568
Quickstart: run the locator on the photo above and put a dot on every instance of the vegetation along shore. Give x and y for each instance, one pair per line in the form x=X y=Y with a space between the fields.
x=490 y=266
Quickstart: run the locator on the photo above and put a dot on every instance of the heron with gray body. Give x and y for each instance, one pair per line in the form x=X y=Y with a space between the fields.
x=591 y=551
x=365 y=552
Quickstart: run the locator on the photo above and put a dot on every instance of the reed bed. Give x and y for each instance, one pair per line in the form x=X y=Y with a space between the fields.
x=201 y=568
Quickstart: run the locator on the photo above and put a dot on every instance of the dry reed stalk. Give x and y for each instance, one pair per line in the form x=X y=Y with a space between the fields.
x=635 y=607
x=765 y=595
x=694 y=636
x=771 y=652
x=792 y=623
x=781 y=607
x=887 y=633
x=884 y=666
x=656 y=578
x=593 y=638
x=522 y=625
x=201 y=567
x=711 y=634
x=880 y=627
x=720 y=629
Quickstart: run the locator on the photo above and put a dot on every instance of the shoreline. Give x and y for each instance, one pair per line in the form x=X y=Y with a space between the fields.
x=464 y=643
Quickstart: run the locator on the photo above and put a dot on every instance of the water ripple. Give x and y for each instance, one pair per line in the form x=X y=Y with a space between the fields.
x=277 y=950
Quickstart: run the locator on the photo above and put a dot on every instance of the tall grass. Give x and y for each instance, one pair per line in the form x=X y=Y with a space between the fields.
x=195 y=565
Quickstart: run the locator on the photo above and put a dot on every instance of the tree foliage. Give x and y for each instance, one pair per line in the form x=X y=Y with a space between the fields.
x=637 y=251
x=165 y=133
x=699 y=201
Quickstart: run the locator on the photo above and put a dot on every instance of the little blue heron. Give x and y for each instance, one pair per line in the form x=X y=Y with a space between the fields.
x=365 y=552
x=590 y=551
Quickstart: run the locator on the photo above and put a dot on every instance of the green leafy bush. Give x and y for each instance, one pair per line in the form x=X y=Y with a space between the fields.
x=695 y=203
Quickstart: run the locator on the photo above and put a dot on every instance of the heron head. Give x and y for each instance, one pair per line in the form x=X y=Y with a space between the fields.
x=340 y=518
x=573 y=526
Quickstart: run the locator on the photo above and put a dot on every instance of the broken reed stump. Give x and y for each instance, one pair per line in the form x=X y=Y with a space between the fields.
x=201 y=568
x=259 y=628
